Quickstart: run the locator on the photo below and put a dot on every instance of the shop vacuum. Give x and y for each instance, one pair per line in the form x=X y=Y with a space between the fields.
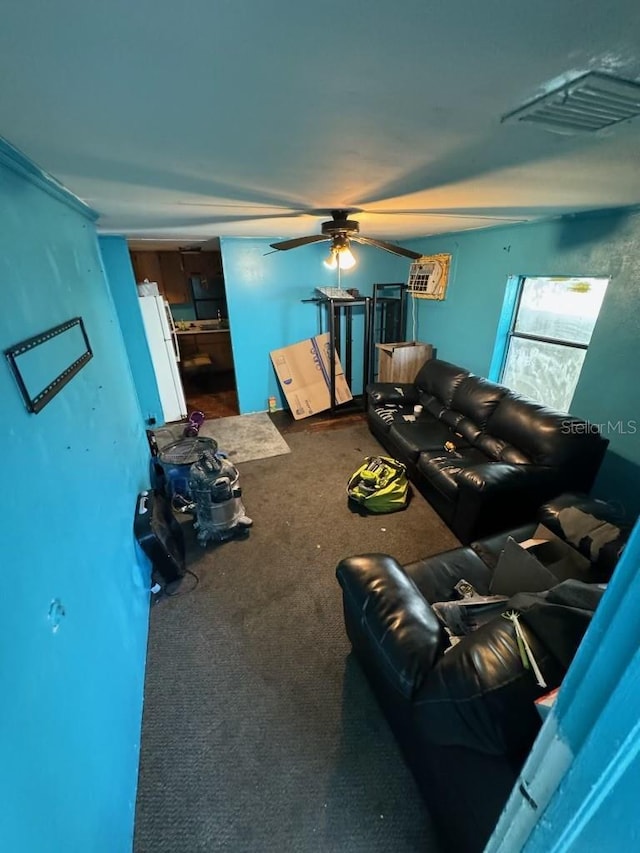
x=214 y=484
x=188 y=476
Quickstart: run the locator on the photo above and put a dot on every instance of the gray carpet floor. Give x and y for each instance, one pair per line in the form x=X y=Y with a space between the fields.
x=260 y=732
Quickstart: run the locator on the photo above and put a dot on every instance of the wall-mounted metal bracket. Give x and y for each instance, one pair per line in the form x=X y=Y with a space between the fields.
x=36 y=398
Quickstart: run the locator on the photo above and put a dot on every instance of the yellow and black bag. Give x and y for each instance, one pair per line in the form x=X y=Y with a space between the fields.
x=379 y=485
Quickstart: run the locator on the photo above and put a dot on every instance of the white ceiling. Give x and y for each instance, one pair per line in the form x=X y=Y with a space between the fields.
x=251 y=117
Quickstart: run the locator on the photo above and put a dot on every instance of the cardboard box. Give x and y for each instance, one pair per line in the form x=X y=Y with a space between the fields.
x=536 y=564
x=556 y=555
x=304 y=372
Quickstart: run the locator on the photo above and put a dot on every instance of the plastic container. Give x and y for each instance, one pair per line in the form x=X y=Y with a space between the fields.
x=160 y=536
x=148 y=288
x=177 y=458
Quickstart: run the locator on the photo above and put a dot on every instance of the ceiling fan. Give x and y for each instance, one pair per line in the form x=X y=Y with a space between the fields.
x=340 y=230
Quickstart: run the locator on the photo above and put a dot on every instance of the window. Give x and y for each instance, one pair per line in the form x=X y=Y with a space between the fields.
x=550 y=333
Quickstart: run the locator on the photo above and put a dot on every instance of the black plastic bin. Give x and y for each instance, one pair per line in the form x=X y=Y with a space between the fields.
x=160 y=536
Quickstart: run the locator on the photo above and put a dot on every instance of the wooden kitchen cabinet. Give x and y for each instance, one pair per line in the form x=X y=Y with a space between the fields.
x=175 y=285
x=220 y=351
x=217 y=345
x=203 y=264
x=172 y=271
x=146 y=265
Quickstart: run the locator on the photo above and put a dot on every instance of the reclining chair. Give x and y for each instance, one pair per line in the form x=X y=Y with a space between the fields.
x=464 y=715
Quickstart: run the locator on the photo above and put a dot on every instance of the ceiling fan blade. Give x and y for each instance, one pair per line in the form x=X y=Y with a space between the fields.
x=299 y=241
x=388 y=247
x=445 y=214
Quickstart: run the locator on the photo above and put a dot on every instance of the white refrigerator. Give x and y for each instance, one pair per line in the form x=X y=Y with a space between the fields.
x=165 y=355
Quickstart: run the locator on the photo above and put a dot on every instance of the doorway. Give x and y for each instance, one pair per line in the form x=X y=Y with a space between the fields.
x=192 y=282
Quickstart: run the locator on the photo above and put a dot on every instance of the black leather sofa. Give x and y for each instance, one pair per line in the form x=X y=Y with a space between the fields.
x=465 y=719
x=507 y=454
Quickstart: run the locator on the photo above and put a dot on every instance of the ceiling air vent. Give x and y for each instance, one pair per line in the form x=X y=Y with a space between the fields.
x=584 y=105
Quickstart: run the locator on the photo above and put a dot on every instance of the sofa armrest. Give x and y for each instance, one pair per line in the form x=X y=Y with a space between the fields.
x=494 y=496
x=481 y=697
x=490 y=548
x=396 y=393
x=600 y=510
x=398 y=631
x=596 y=529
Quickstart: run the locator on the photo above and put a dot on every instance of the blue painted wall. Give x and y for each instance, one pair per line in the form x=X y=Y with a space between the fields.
x=596 y=804
x=583 y=772
x=266 y=312
x=464 y=326
x=72 y=698
x=122 y=284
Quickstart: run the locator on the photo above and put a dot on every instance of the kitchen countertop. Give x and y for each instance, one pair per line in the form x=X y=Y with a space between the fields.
x=200 y=331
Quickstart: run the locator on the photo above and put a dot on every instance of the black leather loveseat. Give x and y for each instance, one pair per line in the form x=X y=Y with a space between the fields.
x=465 y=717
x=505 y=454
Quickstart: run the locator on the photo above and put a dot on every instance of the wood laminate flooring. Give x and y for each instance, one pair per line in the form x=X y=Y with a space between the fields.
x=214 y=394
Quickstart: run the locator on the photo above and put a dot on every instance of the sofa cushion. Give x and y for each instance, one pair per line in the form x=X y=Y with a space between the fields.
x=452 y=419
x=476 y=399
x=441 y=468
x=546 y=437
x=392 y=393
x=432 y=405
x=437 y=576
x=500 y=450
x=440 y=379
x=425 y=433
x=384 y=417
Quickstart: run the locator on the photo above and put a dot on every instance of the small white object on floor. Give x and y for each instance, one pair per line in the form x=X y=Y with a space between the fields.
x=408 y=417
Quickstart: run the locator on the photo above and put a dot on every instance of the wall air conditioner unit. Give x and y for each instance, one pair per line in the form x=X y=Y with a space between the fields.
x=428 y=277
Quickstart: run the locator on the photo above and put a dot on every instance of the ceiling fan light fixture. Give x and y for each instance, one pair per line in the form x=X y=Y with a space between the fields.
x=339 y=230
x=340 y=254
x=346 y=258
x=331 y=262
